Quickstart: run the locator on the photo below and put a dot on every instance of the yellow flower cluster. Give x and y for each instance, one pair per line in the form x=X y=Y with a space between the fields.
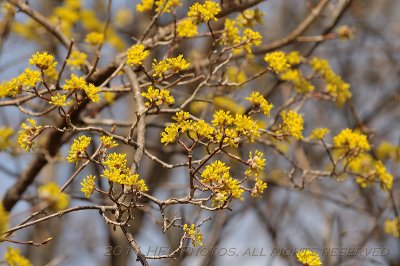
x=204 y=12
x=78 y=148
x=5 y=135
x=186 y=28
x=194 y=234
x=300 y=84
x=308 y=257
x=292 y=124
x=277 y=61
x=79 y=83
x=225 y=128
x=392 y=227
x=351 y=142
x=158 y=97
x=256 y=164
x=335 y=86
x=58 y=100
x=231 y=36
x=76 y=60
x=385 y=178
x=51 y=194
x=75 y=83
x=259 y=102
x=319 y=133
x=118 y=171
x=108 y=142
x=223 y=185
x=145 y=5
x=42 y=60
x=174 y=65
x=28 y=132
x=94 y=38
x=370 y=171
x=4 y=219
x=13 y=257
x=88 y=185
x=251 y=38
x=136 y=54
x=27 y=79
x=258 y=188
x=165 y=6
x=231 y=33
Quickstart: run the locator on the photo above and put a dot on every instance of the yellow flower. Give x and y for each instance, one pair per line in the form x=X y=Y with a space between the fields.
x=136 y=54
x=319 y=133
x=392 y=227
x=204 y=12
x=77 y=150
x=351 y=141
x=88 y=185
x=167 y=5
x=194 y=234
x=75 y=83
x=108 y=142
x=251 y=38
x=308 y=257
x=245 y=126
x=27 y=134
x=170 y=134
x=259 y=101
x=292 y=124
x=13 y=257
x=158 y=97
x=5 y=135
x=29 y=78
x=256 y=164
x=58 y=100
x=203 y=129
x=4 y=219
x=217 y=176
x=335 y=86
x=76 y=60
x=386 y=179
x=42 y=60
x=231 y=32
x=222 y=118
x=300 y=84
x=118 y=171
x=258 y=188
x=92 y=92
x=51 y=194
x=12 y=88
x=294 y=58
x=175 y=65
x=94 y=38
x=145 y=5
x=186 y=28
x=277 y=61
